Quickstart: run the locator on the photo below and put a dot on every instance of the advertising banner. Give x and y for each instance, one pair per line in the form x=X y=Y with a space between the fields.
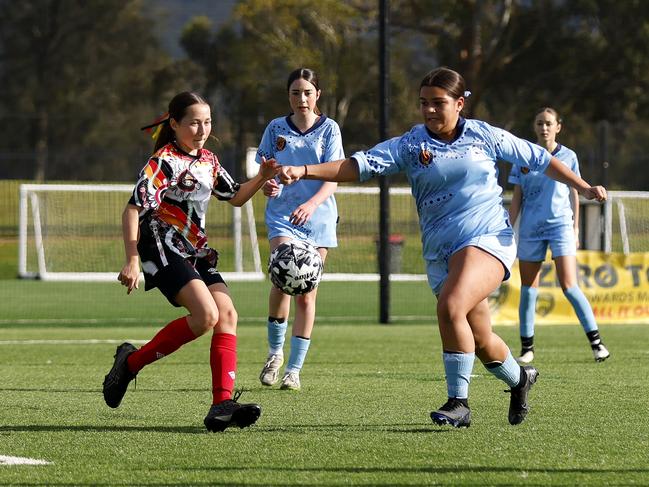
x=616 y=285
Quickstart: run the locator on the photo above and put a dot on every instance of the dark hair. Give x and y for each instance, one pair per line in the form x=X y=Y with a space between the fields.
x=307 y=75
x=303 y=73
x=551 y=111
x=177 y=110
x=447 y=79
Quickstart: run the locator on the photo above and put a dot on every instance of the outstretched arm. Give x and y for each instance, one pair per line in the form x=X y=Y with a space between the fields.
x=267 y=171
x=560 y=172
x=344 y=170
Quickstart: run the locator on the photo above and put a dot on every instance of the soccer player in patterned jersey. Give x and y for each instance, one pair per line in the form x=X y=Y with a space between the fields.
x=468 y=242
x=305 y=211
x=549 y=216
x=163 y=225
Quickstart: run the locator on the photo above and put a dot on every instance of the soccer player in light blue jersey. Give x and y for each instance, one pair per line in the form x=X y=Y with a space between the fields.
x=305 y=211
x=468 y=242
x=549 y=212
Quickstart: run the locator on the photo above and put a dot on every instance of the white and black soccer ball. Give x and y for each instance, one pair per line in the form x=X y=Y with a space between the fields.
x=295 y=267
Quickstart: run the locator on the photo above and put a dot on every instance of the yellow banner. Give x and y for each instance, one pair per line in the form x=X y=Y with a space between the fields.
x=616 y=285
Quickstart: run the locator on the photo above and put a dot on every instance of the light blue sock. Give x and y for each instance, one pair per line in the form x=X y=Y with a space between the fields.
x=508 y=371
x=299 y=348
x=458 y=367
x=276 y=334
x=526 y=309
x=582 y=308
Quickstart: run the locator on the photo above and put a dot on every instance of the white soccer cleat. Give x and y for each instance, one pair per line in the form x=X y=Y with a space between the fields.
x=291 y=381
x=600 y=353
x=270 y=373
x=526 y=357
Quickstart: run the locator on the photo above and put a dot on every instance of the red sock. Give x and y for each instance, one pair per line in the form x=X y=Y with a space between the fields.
x=223 y=361
x=166 y=341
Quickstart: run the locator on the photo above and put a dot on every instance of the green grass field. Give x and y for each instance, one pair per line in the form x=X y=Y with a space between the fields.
x=362 y=417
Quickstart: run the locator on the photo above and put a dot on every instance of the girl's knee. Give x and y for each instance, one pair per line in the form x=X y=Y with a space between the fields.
x=227 y=322
x=305 y=300
x=449 y=309
x=205 y=319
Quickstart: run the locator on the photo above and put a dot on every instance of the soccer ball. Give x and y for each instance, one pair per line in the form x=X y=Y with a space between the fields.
x=295 y=267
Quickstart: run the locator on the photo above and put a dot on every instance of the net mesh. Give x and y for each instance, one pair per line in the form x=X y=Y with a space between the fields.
x=78 y=230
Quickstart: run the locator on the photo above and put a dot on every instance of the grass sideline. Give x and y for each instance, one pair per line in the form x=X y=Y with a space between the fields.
x=361 y=418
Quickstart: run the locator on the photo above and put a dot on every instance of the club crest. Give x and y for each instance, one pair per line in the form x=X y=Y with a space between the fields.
x=425 y=157
x=525 y=170
x=280 y=143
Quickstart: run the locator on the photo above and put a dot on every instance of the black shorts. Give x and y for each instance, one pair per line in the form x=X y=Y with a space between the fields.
x=169 y=271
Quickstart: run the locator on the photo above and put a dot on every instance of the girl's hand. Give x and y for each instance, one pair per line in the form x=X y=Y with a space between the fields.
x=271 y=188
x=302 y=213
x=129 y=276
x=290 y=174
x=594 y=193
x=268 y=168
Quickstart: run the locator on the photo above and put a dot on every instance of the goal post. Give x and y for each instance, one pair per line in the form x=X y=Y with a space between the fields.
x=72 y=232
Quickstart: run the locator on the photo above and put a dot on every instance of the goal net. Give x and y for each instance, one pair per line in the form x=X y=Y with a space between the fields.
x=74 y=233
x=626 y=226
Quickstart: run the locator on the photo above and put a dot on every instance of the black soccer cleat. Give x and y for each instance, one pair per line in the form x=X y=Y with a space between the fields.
x=230 y=413
x=454 y=412
x=117 y=380
x=518 y=407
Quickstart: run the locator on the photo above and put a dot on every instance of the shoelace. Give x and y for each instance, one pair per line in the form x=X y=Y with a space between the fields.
x=237 y=394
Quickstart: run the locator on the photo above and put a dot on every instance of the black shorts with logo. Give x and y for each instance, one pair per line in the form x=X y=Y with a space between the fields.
x=165 y=268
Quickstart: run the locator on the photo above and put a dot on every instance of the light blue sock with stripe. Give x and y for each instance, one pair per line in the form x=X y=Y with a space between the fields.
x=276 y=334
x=458 y=367
x=299 y=348
x=526 y=309
x=508 y=371
x=582 y=308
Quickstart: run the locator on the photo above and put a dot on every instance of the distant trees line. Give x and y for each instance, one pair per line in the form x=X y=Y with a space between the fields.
x=78 y=79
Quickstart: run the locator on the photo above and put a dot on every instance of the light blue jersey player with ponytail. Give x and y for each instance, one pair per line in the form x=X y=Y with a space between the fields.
x=468 y=242
x=549 y=216
x=306 y=211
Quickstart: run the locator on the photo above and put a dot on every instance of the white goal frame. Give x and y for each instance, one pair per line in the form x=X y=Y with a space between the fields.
x=598 y=223
x=28 y=194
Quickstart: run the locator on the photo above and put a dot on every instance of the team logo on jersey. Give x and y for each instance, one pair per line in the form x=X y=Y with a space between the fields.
x=187 y=181
x=425 y=157
x=525 y=170
x=281 y=143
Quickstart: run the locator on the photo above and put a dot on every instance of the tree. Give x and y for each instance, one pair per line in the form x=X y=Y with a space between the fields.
x=78 y=79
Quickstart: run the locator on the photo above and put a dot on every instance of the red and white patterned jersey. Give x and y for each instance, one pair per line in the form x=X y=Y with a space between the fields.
x=174 y=189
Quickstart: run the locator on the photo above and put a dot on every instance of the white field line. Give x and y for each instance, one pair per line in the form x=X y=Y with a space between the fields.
x=156 y=322
x=5 y=460
x=89 y=341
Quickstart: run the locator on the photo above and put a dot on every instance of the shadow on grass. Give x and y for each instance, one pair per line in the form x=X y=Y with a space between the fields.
x=101 y=429
x=292 y=429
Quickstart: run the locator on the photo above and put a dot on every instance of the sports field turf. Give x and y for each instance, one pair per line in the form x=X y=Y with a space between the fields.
x=362 y=417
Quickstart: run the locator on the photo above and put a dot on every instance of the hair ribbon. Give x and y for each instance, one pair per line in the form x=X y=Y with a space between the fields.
x=155 y=127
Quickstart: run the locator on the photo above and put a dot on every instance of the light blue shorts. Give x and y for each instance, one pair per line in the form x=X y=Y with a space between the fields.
x=318 y=235
x=501 y=245
x=535 y=250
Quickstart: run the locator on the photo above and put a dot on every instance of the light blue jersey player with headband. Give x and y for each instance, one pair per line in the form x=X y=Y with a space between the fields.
x=468 y=243
x=549 y=217
x=306 y=211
